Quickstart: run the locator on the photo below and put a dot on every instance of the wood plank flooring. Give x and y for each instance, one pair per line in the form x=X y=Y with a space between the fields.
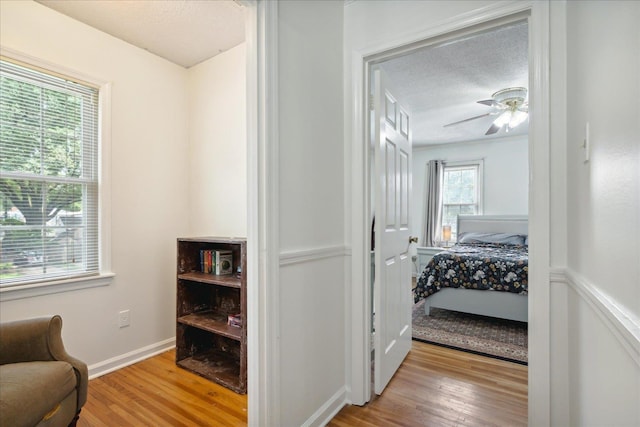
x=155 y=392
x=434 y=387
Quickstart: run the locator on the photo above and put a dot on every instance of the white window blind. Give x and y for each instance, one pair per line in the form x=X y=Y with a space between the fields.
x=48 y=176
x=461 y=193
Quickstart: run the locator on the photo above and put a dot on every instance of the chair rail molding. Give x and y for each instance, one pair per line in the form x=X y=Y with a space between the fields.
x=624 y=325
x=314 y=254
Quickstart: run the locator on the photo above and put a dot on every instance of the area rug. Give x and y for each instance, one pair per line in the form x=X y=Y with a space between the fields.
x=488 y=336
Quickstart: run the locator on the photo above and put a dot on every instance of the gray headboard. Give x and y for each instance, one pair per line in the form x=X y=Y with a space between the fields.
x=516 y=224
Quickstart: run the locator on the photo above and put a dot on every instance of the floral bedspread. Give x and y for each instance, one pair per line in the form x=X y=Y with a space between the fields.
x=476 y=266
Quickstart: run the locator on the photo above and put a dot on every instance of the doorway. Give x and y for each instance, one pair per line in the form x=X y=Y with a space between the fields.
x=485 y=167
x=538 y=218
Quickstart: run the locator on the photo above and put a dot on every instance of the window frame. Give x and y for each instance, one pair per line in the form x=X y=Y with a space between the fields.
x=104 y=276
x=479 y=165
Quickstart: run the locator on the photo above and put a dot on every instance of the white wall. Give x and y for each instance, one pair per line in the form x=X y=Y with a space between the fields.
x=217 y=146
x=149 y=158
x=505 y=181
x=603 y=88
x=311 y=281
x=604 y=208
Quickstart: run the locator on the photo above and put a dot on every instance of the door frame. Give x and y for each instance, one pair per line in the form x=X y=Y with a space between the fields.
x=263 y=369
x=359 y=324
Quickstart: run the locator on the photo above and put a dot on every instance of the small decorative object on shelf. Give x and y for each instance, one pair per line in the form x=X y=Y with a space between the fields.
x=224 y=262
x=235 y=320
x=211 y=334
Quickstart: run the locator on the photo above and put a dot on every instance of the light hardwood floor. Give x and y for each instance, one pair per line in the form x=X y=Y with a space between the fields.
x=155 y=392
x=435 y=386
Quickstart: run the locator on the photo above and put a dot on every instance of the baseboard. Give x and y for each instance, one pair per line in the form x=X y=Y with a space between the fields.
x=101 y=368
x=624 y=325
x=329 y=410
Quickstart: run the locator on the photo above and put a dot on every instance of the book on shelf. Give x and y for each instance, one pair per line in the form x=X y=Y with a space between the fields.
x=207 y=261
x=219 y=262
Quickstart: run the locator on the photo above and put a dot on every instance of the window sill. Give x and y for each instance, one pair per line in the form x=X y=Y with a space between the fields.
x=54 y=287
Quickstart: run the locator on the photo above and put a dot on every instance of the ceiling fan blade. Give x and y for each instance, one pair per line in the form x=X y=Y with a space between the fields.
x=469 y=119
x=493 y=129
x=489 y=102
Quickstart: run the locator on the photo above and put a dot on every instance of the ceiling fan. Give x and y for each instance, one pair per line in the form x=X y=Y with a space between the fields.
x=509 y=105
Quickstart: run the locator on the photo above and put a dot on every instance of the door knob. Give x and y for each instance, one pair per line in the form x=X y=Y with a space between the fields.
x=413 y=239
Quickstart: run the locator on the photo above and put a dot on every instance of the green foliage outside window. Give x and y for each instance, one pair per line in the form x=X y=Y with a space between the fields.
x=45 y=123
x=40 y=135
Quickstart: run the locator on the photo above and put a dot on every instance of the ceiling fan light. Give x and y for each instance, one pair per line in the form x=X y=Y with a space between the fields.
x=503 y=119
x=517 y=117
x=518 y=94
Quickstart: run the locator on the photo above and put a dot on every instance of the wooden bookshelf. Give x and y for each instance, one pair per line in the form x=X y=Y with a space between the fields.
x=205 y=343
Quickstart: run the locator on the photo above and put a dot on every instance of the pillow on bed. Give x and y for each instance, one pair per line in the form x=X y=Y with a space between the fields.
x=502 y=238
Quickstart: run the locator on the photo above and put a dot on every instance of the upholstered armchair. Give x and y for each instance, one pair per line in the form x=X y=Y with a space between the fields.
x=40 y=384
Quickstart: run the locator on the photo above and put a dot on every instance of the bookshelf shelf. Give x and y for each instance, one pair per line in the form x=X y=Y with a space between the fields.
x=212 y=322
x=212 y=279
x=218 y=365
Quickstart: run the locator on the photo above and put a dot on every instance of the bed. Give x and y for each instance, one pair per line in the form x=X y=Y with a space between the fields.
x=485 y=272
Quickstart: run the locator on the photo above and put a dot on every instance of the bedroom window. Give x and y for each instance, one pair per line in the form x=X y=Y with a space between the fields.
x=461 y=192
x=48 y=176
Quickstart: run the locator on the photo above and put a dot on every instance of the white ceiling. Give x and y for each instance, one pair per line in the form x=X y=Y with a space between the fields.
x=440 y=84
x=185 y=32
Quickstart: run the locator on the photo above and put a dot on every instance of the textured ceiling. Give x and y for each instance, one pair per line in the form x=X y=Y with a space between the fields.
x=185 y=32
x=442 y=84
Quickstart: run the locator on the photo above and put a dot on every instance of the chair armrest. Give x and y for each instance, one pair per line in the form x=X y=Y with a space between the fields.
x=40 y=339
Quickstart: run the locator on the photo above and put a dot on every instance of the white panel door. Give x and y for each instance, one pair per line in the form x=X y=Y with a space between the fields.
x=392 y=289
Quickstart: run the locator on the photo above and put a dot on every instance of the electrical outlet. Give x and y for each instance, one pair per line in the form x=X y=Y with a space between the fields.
x=124 y=318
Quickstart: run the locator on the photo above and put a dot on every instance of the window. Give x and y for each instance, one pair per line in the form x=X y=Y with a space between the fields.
x=48 y=176
x=461 y=192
